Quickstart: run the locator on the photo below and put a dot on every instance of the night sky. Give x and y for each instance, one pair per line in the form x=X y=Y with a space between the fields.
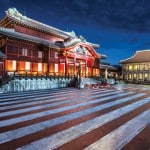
x=120 y=26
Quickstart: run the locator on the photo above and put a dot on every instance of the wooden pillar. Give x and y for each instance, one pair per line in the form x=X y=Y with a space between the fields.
x=65 y=53
x=48 y=61
x=6 y=55
x=17 y=63
x=74 y=66
x=106 y=73
x=92 y=71
x=86 y=67
x=31 y=58
x=66 y=66
x=132 y=76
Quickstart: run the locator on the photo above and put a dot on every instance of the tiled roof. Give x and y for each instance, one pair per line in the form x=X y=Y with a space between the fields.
x=107 y=66
x=103 y=56
x=138 y=57
x=16 y=16
x=12 y=33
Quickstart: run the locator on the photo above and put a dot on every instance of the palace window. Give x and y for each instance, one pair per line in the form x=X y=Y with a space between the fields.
x=14 y=65
x=145 y=75
x=56 y=55
x=24 y=52
x=40 y=54
x=140 y=76
x=27 y=66
x=134 y=75
x=56 y=68
x=130 y=67
x=11 y=65
x=39 y=67
x=135 y=67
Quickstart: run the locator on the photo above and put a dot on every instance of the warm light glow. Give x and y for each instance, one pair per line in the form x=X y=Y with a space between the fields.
x=130 y=67
x=106 y=73
x=56 y=68
x=87 y=70
x=134 y=75
x=11 y=65
x=14 y=65
x=146 y=75
x=140 y=76
x=35 y=67
x=96 y=71
x=21 y=66
x=61 y=68
x=27 y=66
x=39 y=67
x=135 y=67
x=71 y=69
x=45 y=67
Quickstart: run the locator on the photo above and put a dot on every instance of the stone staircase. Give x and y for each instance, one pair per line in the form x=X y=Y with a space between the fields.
x=88 y=81
x=26 y=84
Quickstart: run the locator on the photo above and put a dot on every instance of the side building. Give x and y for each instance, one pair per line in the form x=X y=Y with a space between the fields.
x=29 y=47
x=136 y=69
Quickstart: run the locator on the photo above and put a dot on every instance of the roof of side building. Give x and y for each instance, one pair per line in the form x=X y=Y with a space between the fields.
x=138 y=57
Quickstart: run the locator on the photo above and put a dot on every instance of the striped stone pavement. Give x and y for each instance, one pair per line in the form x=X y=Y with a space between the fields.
x=71 y=119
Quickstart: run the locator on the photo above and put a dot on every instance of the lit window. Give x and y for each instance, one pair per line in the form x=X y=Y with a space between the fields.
x=146 y=75
x=135 y=67
x=56 y=68
x=40 y=54
x=27 y=66
x=39 y=66
x=140 y=76
x=13 y=65
x=130 y=67
x=24 y=52
x=134 y=75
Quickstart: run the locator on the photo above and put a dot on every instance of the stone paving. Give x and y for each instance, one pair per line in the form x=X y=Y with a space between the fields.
x=72 y=119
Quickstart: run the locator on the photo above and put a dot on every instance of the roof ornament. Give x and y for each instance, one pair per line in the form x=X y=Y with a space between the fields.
x=82 y=38
x=14 y=12
x=73 y=33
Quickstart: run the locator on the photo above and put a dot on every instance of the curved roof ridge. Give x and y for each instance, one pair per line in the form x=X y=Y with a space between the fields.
x=139 y=56
x=143 y=50
x=13 y=13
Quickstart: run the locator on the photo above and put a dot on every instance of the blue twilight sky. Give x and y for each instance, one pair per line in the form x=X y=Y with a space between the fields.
x=120 y=26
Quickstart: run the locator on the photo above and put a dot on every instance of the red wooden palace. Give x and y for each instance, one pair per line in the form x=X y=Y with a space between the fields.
x=31 y=47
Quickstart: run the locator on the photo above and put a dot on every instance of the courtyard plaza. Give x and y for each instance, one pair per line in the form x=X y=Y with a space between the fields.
x=112 y=118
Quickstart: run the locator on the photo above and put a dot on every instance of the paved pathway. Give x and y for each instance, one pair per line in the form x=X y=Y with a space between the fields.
x=72 y=119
